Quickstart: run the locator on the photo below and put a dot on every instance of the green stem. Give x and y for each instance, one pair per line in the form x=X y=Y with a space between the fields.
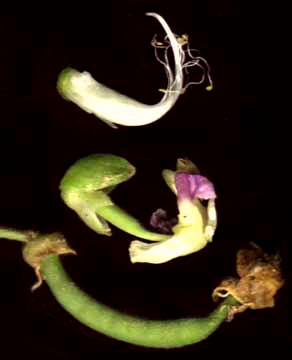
x=134 y=330
x=12 y=234
x=126 y=222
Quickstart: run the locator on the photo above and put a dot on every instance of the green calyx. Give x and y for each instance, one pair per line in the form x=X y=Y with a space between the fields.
x=86 y=186
x=64 y=81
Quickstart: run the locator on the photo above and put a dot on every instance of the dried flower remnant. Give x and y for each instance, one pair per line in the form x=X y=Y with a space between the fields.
x=259 y=280
x=40 y=246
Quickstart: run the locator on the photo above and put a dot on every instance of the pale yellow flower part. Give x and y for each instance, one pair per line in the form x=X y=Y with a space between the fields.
x=195 y=229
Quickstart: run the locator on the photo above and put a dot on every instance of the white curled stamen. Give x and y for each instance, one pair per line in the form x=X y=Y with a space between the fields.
x=198 y=61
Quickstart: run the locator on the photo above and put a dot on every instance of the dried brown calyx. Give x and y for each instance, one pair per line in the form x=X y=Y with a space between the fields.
x=259 y=280
x=40 y=246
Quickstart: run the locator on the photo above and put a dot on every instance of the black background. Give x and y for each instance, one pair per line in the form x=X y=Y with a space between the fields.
x=225 y=132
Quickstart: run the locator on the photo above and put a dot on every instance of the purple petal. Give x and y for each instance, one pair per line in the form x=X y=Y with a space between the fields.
x=183 y=186
x=191 y=186
x=201 y=187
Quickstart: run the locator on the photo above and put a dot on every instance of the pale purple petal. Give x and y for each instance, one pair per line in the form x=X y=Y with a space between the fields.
x=201 y=187
x=191 y=186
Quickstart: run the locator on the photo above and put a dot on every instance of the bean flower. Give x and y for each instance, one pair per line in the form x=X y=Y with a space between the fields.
x=196 y=223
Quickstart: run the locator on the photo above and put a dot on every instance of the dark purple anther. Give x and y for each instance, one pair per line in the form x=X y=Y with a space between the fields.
x=191 y=186
x=160 y=221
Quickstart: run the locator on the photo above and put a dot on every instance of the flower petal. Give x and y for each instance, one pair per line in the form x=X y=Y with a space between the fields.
x=183 y=186
x=191 y=186
x=186 y=242
x=202 y=188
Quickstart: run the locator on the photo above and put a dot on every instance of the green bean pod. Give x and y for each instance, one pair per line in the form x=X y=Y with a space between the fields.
x=124 y=327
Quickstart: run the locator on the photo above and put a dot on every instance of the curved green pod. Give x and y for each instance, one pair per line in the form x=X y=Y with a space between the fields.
x=124 y=327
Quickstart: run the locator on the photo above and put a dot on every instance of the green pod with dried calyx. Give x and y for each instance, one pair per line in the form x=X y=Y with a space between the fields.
x=42 y=253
